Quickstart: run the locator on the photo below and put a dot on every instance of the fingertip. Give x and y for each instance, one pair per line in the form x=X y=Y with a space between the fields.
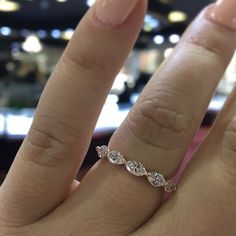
x=113 y=12
x=223 y=12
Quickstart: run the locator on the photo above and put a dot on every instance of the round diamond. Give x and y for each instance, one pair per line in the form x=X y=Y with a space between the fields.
x=156 y=179
x=170 y=186
x=102 y=151
x=115 y=158
x=136 y=168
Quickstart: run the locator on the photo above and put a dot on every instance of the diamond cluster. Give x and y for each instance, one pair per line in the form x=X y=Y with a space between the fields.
x=136 y=168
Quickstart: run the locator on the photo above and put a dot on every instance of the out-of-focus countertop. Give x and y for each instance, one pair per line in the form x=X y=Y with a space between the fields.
x=14 y=124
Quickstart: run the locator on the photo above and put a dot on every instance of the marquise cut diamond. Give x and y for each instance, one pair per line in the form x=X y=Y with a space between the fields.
x=115 y=158
x=136 y=168
x=156 y=179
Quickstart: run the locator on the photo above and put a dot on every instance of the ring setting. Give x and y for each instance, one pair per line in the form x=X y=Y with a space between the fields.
x=136 y=168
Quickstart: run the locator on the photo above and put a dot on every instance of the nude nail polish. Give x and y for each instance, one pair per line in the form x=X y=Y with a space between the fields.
x=223 y=12
x=114 y=12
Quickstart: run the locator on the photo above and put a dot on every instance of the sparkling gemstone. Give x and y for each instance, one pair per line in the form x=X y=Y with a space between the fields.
x=156 y=179
x=170 y=186
x=136 y=168
x=116 y=158
x=102 y=151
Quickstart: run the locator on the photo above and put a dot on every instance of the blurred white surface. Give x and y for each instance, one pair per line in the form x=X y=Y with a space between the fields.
x=16 y=124
x=2 y=124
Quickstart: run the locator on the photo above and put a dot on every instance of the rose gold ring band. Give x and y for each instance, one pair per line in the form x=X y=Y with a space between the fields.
x=155 y=178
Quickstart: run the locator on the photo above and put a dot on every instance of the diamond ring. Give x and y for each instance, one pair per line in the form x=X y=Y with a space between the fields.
x=155 y=178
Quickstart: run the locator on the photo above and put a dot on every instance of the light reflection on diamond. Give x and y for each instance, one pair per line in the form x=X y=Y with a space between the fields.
x=102 y=151
x=115 y=158
x=136 y=168
x=156 y=179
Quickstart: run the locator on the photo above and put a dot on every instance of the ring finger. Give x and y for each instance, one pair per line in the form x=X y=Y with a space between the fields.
x=160 y=127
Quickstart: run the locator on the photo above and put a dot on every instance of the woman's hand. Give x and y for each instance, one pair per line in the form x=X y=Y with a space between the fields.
x=40 y=196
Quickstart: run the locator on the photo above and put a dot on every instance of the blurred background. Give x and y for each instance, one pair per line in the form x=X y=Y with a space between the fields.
x=33 y=35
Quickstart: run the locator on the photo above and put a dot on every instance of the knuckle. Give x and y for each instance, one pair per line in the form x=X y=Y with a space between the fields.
x=50 y=142
x=85 y=61
x=210 y=46
x=82 y=68
x=154 y=122
x=205 y=44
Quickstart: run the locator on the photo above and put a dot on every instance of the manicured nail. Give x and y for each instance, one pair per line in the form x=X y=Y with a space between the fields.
x=114 y=12
x=223 y=12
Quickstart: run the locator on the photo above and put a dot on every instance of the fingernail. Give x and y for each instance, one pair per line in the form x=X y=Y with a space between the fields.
x=223 y=12
x=114 y=12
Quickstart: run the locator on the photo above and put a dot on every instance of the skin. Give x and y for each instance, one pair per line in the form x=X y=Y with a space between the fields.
x=40 y=196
